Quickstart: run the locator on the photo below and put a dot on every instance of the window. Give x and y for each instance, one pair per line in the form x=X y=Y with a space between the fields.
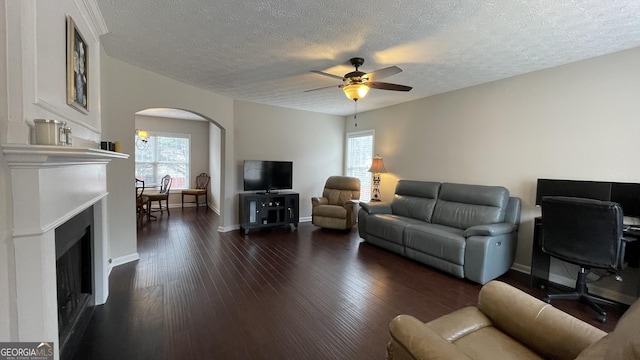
x=166 y=154
x=359 y=157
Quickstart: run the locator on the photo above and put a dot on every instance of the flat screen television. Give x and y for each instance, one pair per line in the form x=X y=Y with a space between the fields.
x=266 y=176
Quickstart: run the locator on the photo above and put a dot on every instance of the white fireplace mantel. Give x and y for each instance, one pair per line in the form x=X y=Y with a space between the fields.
x=50 y=185
x=21 y=155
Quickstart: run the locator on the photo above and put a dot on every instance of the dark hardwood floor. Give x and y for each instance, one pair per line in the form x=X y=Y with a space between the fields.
x=311 y=293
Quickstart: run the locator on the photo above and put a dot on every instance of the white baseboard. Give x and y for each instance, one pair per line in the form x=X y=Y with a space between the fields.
x=189 y=204
x=123 y=260
x=521 y=268
x=228 y=228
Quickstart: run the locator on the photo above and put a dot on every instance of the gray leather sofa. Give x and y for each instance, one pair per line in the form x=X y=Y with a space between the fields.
x=469 y=231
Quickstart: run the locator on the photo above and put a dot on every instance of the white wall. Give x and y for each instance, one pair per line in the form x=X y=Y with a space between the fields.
x=578 y=121
x=128 y=89
x=43 y=67
x=313 y=141
x=215 y=166
x=199 y=149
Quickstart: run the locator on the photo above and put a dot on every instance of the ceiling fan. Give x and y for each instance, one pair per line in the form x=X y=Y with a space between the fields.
x=356 y=84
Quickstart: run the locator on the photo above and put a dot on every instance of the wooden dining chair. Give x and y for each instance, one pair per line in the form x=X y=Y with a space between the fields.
x=202 y=181
x=162 y=195
x=142 y=202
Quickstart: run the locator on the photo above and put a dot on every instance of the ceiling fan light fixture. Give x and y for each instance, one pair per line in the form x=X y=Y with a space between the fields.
x=355 y=91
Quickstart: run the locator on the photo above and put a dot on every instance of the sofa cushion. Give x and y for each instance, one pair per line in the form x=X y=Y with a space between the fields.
x=596 y=351
x=388 y=227
x=548 y=331
x=463 y=206
x=337 y=196
x=474 y=335
x=340 y=189
x=415 y=199
x=333 y=211
x=624 y=340
x=440 y=241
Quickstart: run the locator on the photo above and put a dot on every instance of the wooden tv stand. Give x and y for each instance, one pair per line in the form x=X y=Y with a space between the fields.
x=262 y=210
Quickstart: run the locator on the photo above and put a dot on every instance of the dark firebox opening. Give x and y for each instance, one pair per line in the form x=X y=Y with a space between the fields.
x=74 y=273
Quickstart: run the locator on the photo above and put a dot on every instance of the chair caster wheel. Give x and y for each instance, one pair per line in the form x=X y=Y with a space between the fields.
x=601 y=318
x=547 y=300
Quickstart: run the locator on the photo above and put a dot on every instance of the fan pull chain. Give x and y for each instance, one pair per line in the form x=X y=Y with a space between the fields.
x=355 y=116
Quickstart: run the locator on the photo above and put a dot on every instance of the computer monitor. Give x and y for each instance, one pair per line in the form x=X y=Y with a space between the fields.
x=575 y=188
x=628 y=196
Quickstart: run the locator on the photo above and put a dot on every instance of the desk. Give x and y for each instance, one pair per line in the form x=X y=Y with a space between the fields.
x=626 y=194
x=541 y=261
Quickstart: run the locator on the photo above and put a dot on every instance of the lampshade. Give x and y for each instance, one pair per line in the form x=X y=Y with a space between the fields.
x=143 y=139
x=377 y=166
x=355 y=91
x=142 y=134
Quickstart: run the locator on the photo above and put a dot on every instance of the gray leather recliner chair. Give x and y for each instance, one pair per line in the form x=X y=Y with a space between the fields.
x=338 y=206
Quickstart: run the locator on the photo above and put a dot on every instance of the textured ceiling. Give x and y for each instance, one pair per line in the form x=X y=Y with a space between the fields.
x=263 y=50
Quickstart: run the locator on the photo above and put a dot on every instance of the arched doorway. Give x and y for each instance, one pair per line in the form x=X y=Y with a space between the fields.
x=205 y=151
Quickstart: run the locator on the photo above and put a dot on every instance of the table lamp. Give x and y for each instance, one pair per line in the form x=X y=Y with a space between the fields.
x=377 y=167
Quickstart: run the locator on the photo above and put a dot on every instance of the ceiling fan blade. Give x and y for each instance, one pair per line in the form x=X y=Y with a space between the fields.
x=326 y=74
x=383 y=73
x=324 y=87
x=388 y=86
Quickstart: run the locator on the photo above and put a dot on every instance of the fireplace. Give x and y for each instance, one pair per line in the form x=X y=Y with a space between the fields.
x=74 y=272
x=51 y=186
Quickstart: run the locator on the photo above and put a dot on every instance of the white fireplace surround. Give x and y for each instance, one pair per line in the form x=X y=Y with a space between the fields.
x=52 y=184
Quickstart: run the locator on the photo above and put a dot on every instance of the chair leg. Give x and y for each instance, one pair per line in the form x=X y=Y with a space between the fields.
x=182 y=201
x=581 y=293
x=166 y=202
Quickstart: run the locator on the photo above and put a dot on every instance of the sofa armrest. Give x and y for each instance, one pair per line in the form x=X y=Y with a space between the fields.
x=411 y=336
x=490 y=229
x=376 y=207
x=351 y=202
x=543 y=328
x=315 y=201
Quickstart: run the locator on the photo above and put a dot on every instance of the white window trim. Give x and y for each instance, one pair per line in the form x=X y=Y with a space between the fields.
x=372 y=133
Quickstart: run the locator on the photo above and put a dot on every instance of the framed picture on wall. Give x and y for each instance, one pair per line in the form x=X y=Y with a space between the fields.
x=77 y=68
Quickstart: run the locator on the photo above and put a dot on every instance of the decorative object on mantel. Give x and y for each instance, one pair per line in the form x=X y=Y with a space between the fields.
x=142 y=139
x=67 y=136
x=77 y=68
x=48 y=131
x=377 y=167
x=107 y=145
x=52 y=132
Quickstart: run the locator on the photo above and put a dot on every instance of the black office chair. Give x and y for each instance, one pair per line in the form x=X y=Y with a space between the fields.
x=585 y=232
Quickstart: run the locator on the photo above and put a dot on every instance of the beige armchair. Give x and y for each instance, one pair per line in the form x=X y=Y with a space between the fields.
x=510 y=324
x=338 y=206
